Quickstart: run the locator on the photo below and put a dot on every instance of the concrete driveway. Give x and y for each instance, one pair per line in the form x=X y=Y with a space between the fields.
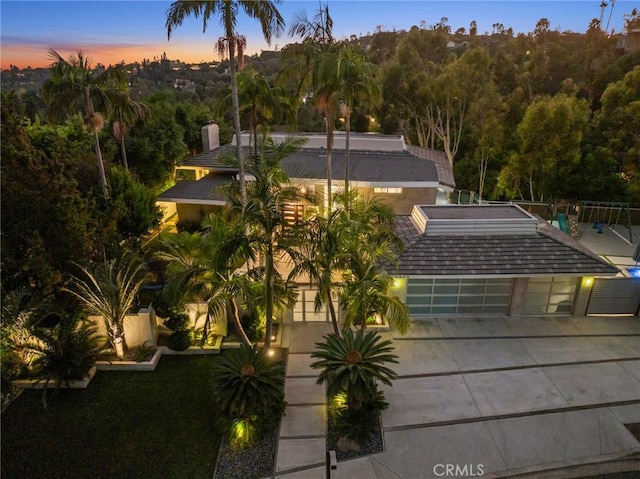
x=491 y=397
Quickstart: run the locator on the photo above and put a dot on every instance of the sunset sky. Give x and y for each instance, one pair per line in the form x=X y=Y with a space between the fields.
x=112 y=31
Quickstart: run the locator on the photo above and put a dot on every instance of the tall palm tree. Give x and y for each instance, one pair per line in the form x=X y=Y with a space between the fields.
x=311 y=65
x=318 y=254
x=72 y=84
x=110 y=290
x=204 y=266
x=360 y=82
x=125 y=116
x=271 y=23
x=257 y=95
x=263 y=213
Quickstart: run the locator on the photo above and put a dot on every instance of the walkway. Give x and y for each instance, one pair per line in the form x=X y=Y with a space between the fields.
x=500 y=396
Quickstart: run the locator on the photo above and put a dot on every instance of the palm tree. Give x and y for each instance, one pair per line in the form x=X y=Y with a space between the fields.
x=352 y=365
x=68 y=352
x=73 y=82
x=271 y=23
x=110 y=290
x=318 y=254
x=249 y=393
x=257 y=95
x=127 y=115
x=263 y=213
x=360 y=81
x=204 y=266
x=311 y=65
x=365 y=288
x=369 y=243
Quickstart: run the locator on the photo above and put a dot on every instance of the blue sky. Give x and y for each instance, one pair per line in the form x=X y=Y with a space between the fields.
x=111 y=31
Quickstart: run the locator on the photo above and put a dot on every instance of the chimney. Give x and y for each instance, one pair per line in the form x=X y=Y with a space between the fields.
x=210 y=137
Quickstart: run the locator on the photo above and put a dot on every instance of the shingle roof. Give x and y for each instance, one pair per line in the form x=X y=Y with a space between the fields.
x=514 y=255
x=365 y=165
x=445 y=171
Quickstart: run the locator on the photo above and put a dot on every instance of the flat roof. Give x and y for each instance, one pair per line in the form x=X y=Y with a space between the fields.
x=206 y=190
x=474 y=212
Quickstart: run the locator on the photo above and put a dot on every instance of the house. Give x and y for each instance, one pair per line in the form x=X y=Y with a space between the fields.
x=382 y=165
x=499 y=260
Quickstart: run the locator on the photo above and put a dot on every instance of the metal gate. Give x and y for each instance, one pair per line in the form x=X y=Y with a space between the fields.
x=615 y=296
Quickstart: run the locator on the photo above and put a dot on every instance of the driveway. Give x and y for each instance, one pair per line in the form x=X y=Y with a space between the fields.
x=497 y=397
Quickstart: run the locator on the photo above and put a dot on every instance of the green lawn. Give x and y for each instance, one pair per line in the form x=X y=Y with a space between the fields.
x=124 y=425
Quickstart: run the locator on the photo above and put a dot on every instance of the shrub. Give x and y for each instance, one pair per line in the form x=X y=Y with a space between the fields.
x=179 y=340
x=359 y=425
x=164 y=306
x=142 y=352
x=177 y=322
x=253 y=326
x=67 y=353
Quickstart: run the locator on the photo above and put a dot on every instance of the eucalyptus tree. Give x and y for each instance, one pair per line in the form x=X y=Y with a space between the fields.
x=110 y=290
x=263 y=214
x=270 y=20
x=74 y=86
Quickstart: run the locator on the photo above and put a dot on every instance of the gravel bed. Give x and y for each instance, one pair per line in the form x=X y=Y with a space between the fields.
x=251 y=463
x=373 y=446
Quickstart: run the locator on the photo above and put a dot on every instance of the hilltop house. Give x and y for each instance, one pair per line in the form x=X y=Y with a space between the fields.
x=458 y=260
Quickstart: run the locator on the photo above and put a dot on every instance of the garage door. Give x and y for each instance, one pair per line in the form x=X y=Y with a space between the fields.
x=427 y=297
x=551 y=295
x=615 y=296
x=304 y=310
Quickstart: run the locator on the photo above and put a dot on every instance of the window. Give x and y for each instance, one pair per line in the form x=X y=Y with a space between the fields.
x=550 y=295
x=394 y=191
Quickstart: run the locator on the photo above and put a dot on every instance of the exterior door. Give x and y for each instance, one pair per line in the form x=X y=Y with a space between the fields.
x=304 y=309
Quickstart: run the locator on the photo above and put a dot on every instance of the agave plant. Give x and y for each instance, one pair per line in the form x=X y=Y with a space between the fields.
x=352 y=365
x=250 y=393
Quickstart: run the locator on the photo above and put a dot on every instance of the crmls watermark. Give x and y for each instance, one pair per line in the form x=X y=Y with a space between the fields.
x=458 y=470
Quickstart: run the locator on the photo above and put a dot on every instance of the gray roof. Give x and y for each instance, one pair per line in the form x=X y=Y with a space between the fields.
x=365 y=165
x=206 y=189
x=515 y=255
x=445 y=170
